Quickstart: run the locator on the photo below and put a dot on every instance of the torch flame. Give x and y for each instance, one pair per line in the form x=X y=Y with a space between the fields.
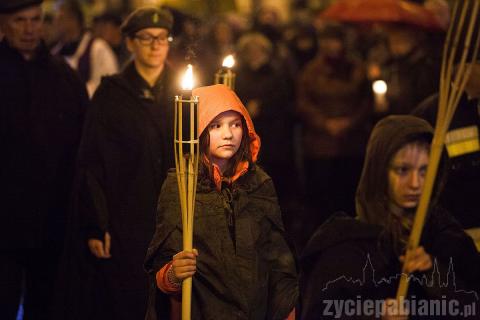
x=187 y=80
x=229 y=61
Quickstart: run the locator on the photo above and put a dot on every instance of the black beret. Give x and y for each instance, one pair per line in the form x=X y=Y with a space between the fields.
x=147 y=17
x=11 y=6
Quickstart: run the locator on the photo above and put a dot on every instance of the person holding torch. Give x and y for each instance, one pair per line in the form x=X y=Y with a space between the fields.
x=242 y=267
x=387 y=196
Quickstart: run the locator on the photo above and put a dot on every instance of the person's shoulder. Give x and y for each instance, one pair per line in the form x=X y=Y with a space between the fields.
x=100 y=44
x=427 y=109
x=256 y=178
x=340 y=228
x=260 y=173
x=114 y=87
x=58 y=65
x=61 y=73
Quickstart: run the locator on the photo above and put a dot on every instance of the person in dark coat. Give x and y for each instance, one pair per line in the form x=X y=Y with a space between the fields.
x=360 y=260
x=335 y=108
x=412 y=69
x=242 y=267
x=460 y=194
x=268 y=97
x=126 y=149
x=42 y=106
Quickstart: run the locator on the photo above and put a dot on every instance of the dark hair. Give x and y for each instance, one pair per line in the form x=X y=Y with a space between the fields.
x=243 y=153
x=75 y=8
x=109 y=17
x=397 y=226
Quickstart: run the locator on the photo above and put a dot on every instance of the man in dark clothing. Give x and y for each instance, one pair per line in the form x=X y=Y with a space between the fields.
x=125 y=153
x=267 y=95
x=41 y=116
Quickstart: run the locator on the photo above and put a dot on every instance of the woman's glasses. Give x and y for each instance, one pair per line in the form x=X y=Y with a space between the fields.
x=148 y=39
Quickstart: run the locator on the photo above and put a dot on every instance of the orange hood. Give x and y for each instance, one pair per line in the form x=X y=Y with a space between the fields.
x=219 y=98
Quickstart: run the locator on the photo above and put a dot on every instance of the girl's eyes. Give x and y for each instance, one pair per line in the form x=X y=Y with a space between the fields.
x=218 y=125
x=400 y=170
x=423 y=171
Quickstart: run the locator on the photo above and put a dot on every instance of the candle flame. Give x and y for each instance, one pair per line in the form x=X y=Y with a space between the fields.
x=229 y=61
x=187 y=80
x=379 y=87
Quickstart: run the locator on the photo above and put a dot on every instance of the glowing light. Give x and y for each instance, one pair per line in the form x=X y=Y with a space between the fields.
x=187 y=80
x=229 y=61
x=379 y=87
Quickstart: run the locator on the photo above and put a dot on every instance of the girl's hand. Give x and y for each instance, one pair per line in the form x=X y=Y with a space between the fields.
x=418 y=260
x=184 y=264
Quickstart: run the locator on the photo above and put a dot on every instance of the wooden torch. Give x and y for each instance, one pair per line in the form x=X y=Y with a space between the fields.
x=452 y=85
x=187 y=153
x=225 y=75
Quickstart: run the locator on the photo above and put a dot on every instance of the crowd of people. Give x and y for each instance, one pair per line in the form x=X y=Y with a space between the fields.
x=91 y=225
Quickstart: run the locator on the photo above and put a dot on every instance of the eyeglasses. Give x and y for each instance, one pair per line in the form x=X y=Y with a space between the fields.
x=148 y=39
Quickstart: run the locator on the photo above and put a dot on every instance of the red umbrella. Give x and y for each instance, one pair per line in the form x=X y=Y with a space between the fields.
x=391 y=11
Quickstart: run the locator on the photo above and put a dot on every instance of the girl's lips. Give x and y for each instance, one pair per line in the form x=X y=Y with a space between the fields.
x=412 y=197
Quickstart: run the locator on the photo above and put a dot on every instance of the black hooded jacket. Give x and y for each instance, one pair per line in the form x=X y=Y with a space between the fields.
x=125 y=152
x=350 y=258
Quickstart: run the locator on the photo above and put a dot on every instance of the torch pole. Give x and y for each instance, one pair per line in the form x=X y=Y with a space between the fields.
x=451 y=89
x=186 y=145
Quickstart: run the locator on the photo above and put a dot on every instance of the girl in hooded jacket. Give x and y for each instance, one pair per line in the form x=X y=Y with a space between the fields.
x=357 y=261
x=242 y=267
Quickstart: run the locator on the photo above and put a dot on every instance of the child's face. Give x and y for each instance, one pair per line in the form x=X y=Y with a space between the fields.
x=407 y=175
x=225 y=137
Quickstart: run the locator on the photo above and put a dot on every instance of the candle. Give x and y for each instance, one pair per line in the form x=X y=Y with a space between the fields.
x=379 y=88
x=225 y=75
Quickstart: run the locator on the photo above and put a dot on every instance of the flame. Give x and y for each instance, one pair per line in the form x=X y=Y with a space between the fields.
x=229 y=61
x=187 y=80
x=379 y=87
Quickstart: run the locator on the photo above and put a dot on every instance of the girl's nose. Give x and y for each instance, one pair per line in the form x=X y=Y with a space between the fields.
x=227 y=133
x=415 y=180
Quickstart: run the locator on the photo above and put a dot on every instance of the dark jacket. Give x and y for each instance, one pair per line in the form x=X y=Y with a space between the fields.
x=345 y=259
x=331 y=89
x=42 y=106
x=125 y=152
x=273 y=122
x=345 y=251
x=249 y=276
x=460 y=193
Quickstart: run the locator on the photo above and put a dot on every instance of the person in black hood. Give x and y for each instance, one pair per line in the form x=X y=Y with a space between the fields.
x=359 y=260
x=126 y=149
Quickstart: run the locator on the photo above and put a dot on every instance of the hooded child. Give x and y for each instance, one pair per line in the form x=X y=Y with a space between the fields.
x=242 y=267
x=369 y=249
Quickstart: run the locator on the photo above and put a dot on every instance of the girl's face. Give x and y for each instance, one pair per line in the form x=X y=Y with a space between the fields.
x=225 y=137
x=406 y=175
